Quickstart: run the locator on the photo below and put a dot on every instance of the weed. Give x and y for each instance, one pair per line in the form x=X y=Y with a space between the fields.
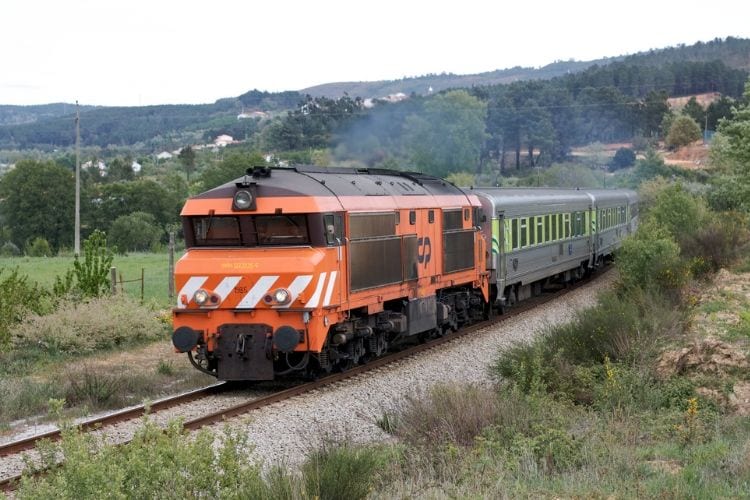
x=388 y=422
x=448 y=414
x=165 y=368
x=340 y=472
x=93 y=389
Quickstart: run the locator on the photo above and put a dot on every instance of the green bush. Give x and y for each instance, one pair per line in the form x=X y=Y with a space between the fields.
x=156 y=464
x=18 y=299
x=719 y=242
x=569 y=359
x=9 y=249
x=340 y=472
x=84 y=327
x=624 y=157
x=680 y=212
x=683 y=131
x=38 y=247
x=652 y=263
x=92 y=273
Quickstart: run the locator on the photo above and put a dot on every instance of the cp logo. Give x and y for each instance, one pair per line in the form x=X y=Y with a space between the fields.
x=424 y=250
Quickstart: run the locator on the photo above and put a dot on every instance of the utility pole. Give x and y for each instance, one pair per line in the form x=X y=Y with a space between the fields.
x=77 y=239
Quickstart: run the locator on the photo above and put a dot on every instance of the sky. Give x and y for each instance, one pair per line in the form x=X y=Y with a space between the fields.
x=138 y=52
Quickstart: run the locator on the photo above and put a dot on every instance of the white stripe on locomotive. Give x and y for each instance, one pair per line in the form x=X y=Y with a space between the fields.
x=189 y=288
x=261 y=287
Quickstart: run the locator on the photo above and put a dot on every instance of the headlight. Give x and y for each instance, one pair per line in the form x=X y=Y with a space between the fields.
x=243 y=200
x=281 y=296
x=201 y=297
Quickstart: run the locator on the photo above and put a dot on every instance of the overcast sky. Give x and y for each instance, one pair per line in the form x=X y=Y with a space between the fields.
x=137 y=52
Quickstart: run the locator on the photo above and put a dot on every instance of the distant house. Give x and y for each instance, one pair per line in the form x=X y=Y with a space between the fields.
x=252 y=114
x=223 y=140
x=99 y=165
x=397 y=97
x=136 y=167
x=164 y=155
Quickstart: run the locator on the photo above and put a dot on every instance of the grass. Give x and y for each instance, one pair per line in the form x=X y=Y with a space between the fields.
x=43 y=270
x=210 y=465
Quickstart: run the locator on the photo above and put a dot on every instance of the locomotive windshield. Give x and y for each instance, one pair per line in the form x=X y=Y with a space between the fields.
x=248 y=231
x=282 y=230
x=216 y=231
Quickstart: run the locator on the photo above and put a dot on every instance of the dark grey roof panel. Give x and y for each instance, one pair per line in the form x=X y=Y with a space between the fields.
x=337 y=181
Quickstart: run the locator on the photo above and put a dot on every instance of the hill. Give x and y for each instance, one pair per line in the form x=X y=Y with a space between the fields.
x=421 y=84
x=150 y=128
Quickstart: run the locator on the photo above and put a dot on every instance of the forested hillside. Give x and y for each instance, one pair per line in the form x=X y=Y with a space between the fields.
x=623 y=88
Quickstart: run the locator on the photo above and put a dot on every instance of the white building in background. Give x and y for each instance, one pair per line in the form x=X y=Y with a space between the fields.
x=252 y=114
x=164 y=155
x=223 y=140
x=99 y=165
x=136 y=167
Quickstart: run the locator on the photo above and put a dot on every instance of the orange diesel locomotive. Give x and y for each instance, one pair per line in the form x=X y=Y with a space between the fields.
x=307 y=269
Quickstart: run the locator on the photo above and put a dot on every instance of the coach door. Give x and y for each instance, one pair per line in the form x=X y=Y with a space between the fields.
x=499 y=257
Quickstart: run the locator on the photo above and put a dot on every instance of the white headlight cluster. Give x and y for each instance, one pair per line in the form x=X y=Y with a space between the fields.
x=201 y=297
x=280 y=296
x=206 y=298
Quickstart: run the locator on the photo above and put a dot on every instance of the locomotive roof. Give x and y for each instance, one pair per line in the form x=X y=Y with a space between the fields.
x=335 y=181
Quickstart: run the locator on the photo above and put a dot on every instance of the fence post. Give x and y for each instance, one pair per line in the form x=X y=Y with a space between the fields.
x=113 y=279
x=171 y=264
x=143 y=281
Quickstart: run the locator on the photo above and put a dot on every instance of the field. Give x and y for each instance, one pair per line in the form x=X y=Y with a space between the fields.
x=155 y=267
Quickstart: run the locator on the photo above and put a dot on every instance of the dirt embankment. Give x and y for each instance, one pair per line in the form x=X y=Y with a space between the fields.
x=718 y=353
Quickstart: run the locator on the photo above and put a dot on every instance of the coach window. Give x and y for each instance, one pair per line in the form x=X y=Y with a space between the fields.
x=554 y=227
x=523 y=232
x=532 y=230
x=431 y=216
x=540 y=229
x=514 y=233
x=547 y=232
x=412 y=217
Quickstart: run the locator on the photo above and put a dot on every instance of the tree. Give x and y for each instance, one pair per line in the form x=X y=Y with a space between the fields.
x=120 y=169
x=187 y=158
x=449 y=133
x=735 y=131
x=694 y=110
x=106 y=202
x=135 y=232
x=652 y=111
x=684 y=131
x=624 y=157
x=38 y=201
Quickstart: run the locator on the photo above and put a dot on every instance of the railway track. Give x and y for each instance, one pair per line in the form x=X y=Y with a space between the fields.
x=10 y=483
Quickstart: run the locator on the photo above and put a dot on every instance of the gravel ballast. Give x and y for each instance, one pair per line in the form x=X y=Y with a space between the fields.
x=284 y=433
